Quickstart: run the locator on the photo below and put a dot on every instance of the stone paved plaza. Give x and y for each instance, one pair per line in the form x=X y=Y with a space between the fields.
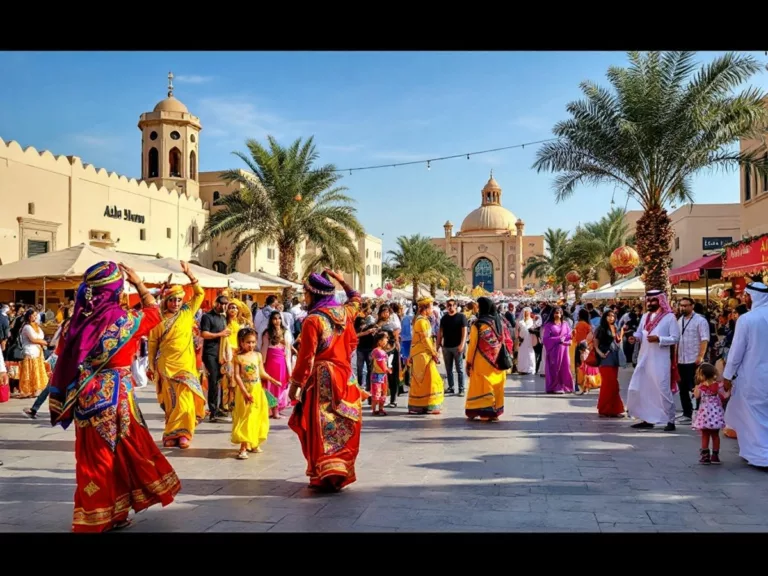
x=551 y=464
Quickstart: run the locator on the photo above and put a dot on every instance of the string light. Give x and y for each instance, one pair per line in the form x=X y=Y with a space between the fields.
x=429 y=161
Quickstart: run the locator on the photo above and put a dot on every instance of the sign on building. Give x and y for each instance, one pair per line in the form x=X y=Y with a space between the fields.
x=715 y=243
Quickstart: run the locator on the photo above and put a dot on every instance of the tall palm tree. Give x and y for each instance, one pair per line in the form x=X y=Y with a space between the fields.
x=418 y=261
x=344 y=260
x=286 y=200
x=556 y=263
x=657 y=128
x=594 y=242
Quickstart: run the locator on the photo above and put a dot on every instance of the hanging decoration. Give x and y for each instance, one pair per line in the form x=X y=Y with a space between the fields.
x=378 y=292
x=388 y=285
x=573 y=276
x=593 y=284
x=551 y=279
x=624 y=260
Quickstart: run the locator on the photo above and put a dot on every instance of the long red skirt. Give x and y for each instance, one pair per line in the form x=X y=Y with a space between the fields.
x=328 y=422
x=110 y=482
x=609 y=403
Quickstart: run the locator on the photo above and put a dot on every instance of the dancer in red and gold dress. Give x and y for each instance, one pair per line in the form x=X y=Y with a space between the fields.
x=328 y=418
x=119 y=467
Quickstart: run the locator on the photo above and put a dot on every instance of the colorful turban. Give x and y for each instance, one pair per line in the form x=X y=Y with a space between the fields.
x=174 y=291
x=426 y=301
x=322 y=290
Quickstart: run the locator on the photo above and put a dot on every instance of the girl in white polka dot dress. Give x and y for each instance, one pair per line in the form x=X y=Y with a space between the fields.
x=710 y=418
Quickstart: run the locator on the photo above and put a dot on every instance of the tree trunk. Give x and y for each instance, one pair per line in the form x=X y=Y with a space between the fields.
x=613 y=275
x=654 y=245
x=287 y=267
x=433 y=289
x=415 y=291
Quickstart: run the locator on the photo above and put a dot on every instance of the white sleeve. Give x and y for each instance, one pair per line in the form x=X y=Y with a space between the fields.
x=673 y=335
x=703 y=329
x=2 y=363
x=738 y=348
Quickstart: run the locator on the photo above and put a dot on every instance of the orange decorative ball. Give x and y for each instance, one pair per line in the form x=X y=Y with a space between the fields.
x=298 y=198
x=551 y=279
x=593 y=284
x=573 y=277
x=624 y=260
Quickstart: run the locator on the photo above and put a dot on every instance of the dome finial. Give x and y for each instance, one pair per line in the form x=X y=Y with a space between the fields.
x=491 y=173
x=170 y=84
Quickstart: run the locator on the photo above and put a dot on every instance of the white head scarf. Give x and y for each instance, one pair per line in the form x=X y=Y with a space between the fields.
x=759 y=293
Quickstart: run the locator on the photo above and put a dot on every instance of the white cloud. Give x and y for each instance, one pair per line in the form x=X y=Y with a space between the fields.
x=192 y=79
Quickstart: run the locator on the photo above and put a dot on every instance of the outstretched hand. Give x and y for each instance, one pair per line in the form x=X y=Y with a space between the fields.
x=333 y=274
x=185 y=267
x=130 y=274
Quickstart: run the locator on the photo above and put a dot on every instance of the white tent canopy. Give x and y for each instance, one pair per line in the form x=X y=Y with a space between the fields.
x=69 y=265
x=208 y=278
x=240 y=281
x=635 y=288
x=270 y=281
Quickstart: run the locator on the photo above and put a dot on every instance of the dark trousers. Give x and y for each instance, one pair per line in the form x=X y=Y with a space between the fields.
x=394 y=378
x=364 y=359
x=41 y=398
x=213 y=368
x=453 y=358
x=687 y=384
x=537 y=353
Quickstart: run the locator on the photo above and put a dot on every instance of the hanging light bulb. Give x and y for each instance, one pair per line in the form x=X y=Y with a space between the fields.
x=467 y=156
x=350 y=172
x=428 y=166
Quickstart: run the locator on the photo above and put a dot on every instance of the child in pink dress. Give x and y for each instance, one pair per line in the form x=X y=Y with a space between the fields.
x=710 y=418
x=379 y=388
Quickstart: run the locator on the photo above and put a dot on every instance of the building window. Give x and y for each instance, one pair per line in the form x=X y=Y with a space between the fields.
x=747 y=185
x=270 y=253
x=193 y=235
x=154 y=162
x=153 y=136
x=368 y=270
x=765 y=176
x=36 y=247
x=31 y=208
x=175 y=135
x=174 y=159
x=366 y=252
x=143 y=234
x=216 y=196
x=192 y=138
x=677 y=243
x=193 y=165
x=220 y=267
x=100 y=235
x=168 y=232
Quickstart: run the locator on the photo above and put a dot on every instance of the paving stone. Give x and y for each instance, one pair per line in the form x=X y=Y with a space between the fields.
x=551 y=464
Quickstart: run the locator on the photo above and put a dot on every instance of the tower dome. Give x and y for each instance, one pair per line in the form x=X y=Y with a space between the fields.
x=491 y=217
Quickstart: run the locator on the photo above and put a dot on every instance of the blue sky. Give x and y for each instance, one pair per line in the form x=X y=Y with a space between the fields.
x=363 y=108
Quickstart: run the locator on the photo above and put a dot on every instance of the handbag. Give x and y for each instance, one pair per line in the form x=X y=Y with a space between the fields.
x=622 y=356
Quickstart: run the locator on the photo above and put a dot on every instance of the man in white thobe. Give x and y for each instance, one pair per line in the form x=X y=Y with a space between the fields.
x=3 y=375
x=747 y=372
x=650 y=398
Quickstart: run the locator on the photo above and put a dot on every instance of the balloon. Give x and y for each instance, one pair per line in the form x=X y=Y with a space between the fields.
x=378 y=292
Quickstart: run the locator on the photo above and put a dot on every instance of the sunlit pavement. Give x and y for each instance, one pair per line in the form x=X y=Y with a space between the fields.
x=550 y=464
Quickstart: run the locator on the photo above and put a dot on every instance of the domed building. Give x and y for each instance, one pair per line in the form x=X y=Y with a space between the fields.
x=490 y=246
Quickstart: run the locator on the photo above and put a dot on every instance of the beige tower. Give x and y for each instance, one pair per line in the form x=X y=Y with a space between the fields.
x=519 y=280
x=170 y=139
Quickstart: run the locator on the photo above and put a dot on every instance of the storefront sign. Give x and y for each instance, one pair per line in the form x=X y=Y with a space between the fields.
x=746 y=258
x=117 y=214
x=715 y=243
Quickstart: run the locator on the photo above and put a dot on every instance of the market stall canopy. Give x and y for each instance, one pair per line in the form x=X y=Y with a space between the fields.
x=268 y=281
x=64 y=269
x=208 y=278
x=692 y=271
x=746 y=257
x=603 y=293
x=243 y=282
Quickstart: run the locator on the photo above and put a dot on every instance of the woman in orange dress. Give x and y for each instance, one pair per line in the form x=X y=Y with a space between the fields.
x=118 y=467
x=328 y=417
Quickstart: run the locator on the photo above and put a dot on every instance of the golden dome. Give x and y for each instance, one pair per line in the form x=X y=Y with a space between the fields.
x=491 y=218
x=170 y=104
x=492 y=185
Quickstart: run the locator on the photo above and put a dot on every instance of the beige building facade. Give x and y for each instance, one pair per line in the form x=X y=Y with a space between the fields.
x=53 y=202
x=491 y=246
x=754 y=192
x=700 y=229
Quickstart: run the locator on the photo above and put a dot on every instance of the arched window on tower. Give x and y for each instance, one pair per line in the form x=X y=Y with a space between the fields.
x=153 y=163
x=174 y=159
x=216 y=196
x=747 y=184
x=193 y=165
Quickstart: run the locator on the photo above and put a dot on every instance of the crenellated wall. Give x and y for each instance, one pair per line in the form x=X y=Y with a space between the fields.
x=62 y=201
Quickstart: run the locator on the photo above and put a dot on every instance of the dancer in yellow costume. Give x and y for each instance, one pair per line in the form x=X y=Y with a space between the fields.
x=238 y=317
x=173 y=365
x=425 y=395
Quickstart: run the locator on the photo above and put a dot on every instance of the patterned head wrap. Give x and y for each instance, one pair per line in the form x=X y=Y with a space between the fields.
x=759 y=294
x=174 y=291
x=322 y=290
x=426 y=301
x=664 y=308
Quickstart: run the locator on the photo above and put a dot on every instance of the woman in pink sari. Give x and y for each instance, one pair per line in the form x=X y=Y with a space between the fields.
x=556 y=336
x=274 y=349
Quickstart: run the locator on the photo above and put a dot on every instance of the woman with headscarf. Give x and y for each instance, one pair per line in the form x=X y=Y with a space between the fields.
x=527 y=341
x=328 y=416
x=173 y=364
x=485 y=397
x=118 y=465
x=425 y=395
x=556 y=336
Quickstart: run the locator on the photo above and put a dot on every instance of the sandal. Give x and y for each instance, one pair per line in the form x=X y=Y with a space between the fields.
x=122 y=525
x=256 y=450
x=242 y=455
x=184 y=444
x=383 y=413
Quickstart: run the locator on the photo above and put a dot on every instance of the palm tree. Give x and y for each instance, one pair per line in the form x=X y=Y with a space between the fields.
x=285 y=200
x=657 y=128
x=594 y=242
x=343 y=260
x=418 y=261
x=556 y=263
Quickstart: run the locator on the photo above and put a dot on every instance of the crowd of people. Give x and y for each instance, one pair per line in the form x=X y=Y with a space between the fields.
x=325 y=358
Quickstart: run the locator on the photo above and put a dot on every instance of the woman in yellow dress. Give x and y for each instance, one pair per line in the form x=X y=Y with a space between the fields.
x=485 y=397
x=173 y=364
x=250 y=417
x=238 y=316
x=425 y=395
